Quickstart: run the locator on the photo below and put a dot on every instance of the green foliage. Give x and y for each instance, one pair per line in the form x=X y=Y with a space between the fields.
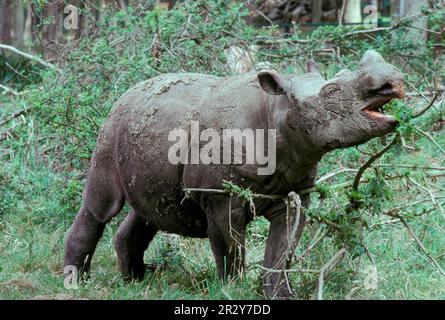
x=9 y=197
x=73 y=106
x=231 y=188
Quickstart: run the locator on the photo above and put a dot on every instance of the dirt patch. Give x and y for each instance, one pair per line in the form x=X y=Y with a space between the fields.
x=17 y=284
x=58 y=296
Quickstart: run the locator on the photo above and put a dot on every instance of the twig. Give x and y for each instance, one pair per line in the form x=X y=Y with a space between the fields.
x=369 y=255
x=254 y=195
x=417 y=90
x=420 y=112
x=431 y=194
x=426 y=134
x=370 y=161
x=15 y=115
x=287 y=270
x=252 y=7
x=317 y=240
x=369 y=31
x=410 y=204
x=426 y=30
x=409 y=166
x=404 y=145
x=420 y=244
x=270 y=196
x=334 y=173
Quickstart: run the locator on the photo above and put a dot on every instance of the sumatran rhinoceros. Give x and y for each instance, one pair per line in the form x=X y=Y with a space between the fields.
x=132 y=162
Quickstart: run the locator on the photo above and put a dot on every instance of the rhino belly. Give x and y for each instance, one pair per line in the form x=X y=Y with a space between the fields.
x=153 y=186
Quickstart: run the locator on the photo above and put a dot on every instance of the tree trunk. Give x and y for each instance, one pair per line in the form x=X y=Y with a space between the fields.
x=27 y=34
x=6 y=7
x=52 y=31
x=19 y=25
x=12 y=22
x=394 y=8
x=53 y=12
x=316 y=14
x=409 y=8
x=352 y=12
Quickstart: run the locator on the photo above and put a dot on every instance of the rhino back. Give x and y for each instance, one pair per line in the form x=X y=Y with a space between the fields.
x=137 y=129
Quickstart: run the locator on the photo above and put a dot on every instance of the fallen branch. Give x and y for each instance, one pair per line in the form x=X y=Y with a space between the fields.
x=30 y=57
x=4 y=135
x=396 y=25
x=326 y=269
x=417 y=90
x=15 y=115
x=7 y=89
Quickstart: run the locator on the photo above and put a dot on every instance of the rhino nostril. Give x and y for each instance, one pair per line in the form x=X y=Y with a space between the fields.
x=393 y=89
x=386 y=88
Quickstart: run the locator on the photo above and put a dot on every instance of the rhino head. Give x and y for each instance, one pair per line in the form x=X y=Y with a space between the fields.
x=344 y=111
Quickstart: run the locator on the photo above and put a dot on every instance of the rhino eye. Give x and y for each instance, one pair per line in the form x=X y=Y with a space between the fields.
x=332 y=92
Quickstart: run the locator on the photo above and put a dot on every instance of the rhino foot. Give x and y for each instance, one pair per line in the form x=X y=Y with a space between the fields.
x=132 y=239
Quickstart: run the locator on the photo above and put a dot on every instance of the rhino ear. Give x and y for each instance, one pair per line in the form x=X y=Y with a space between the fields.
x=272 y=82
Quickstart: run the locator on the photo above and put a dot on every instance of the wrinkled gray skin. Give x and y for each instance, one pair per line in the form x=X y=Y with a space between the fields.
x=130 y=163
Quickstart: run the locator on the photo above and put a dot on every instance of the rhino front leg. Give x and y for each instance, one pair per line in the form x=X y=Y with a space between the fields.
x=131 y=241
x=226 y=232
x=276 y=284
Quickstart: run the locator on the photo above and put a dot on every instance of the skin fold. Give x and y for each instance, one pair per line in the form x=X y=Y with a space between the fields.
x=130 y=164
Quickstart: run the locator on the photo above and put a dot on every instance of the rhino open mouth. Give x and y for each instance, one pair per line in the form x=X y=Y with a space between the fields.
x=374 y=105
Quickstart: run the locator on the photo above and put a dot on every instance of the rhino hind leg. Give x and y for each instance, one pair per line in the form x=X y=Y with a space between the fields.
x=131 y=241
x=103 y=199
